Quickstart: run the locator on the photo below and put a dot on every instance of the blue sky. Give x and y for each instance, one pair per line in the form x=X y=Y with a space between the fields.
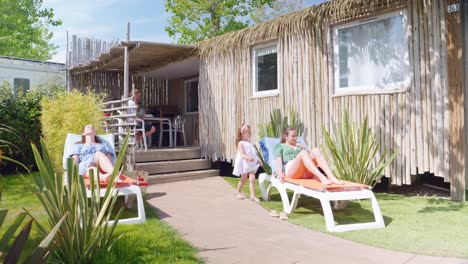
x=106 y=19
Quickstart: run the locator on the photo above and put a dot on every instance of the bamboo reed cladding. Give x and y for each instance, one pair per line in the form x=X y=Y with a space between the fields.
x=414 y=122
x=295 y=23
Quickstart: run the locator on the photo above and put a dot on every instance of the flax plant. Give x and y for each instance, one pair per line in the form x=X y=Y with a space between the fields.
x=278 y=122
x=351 y=150
x=86 y=229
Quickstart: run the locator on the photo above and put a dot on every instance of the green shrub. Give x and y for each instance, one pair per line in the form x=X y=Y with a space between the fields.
x=22 y=113
x=68 y=113
x=351 y=151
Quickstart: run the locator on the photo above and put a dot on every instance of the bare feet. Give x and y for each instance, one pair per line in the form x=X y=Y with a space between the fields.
x=325 y=181
x=336 y=181
x=119 y=178
x=255 y=199
x=240 y=196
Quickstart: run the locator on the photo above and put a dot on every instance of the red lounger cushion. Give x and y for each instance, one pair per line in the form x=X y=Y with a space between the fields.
x=125 y=182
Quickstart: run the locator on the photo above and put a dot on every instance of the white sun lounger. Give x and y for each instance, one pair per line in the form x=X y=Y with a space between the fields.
x=124 y=190
x=325 y=195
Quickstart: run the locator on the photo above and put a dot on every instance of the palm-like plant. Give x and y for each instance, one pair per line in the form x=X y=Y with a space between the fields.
x=278 y=122
x=351 y=150
x=8 y=145
x=87 y=228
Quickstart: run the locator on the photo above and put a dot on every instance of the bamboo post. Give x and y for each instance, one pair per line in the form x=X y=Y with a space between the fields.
x=457 y=115
x=464 y=16
x=67 y=67
x=126 y=61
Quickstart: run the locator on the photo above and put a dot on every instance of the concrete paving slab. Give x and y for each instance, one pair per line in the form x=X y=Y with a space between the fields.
x=227 y=230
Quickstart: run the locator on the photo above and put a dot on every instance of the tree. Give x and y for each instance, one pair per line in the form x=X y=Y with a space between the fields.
x=278 y=8
x=24 y=29
x=195 y=20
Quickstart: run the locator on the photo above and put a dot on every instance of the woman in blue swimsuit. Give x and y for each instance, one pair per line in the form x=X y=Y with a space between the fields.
x=90 y=151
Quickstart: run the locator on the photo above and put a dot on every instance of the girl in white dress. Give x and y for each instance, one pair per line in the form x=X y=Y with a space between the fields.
x=246 y=163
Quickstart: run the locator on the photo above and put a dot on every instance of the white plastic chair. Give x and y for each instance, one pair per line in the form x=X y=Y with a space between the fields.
x=179 y=127
x=142 y=143
x=168 y=125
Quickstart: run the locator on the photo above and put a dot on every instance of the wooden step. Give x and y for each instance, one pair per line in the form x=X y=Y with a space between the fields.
x=181 y=176
x=160 y=154
x=174 y=166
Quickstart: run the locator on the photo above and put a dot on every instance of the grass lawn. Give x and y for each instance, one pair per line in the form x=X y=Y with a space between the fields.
x=151 y=242
x=423 y=225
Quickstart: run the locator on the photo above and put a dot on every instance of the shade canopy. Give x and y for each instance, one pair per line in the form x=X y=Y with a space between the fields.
x=143 y=56
x=179 y=69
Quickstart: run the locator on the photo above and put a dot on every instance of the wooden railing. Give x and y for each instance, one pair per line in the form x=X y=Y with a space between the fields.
x=119 y=122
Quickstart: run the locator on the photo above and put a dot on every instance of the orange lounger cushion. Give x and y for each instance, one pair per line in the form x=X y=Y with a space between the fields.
x=125 y=182
x=316 y=185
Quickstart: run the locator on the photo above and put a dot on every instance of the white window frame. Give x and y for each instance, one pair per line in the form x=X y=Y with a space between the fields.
x=274 y=92
x=185 y=96
x=398 y=87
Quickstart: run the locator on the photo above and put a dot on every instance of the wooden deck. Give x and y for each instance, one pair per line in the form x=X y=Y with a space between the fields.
x=173 y=164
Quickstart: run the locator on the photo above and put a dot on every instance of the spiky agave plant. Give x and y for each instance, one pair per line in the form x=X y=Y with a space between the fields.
x=86 y=229
x=351 y=150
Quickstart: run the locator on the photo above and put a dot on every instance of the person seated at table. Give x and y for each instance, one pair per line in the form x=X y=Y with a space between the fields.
x=140 y=113
x=91 y=152
x=293 y=161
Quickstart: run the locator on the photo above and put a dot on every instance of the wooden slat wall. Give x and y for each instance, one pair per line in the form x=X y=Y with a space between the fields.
x=154 y=91
x=109 y=83
x=415 y=122
x=191 y=130
x=84 y=50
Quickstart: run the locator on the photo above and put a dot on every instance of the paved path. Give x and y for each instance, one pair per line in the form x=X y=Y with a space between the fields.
x=226 y=230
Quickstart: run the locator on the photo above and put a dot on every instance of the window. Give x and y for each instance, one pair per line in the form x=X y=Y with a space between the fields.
x=20 y=85
x=371 y=55
x=191 y=96
x=265 y=70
